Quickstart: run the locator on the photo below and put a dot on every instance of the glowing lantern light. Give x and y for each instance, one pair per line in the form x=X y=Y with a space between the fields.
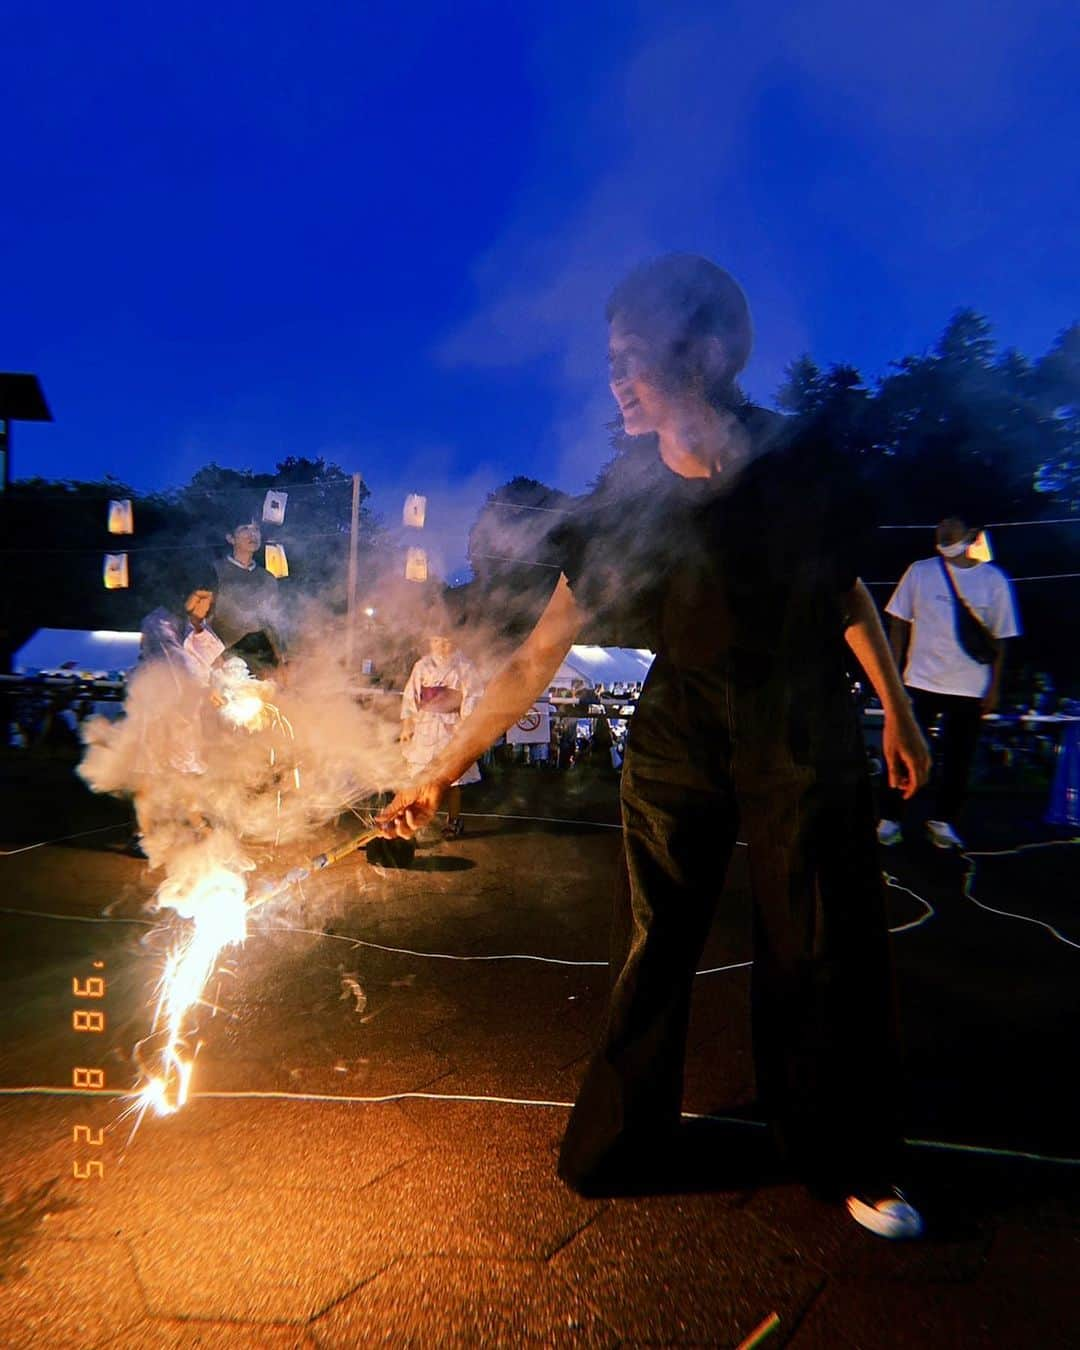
x=115 y=573
x=416 y=568
x=980 y=550
x=121 y=517
x=276 y=562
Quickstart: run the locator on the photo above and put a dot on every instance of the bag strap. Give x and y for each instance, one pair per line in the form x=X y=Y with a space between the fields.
x=949 y=578
x=959 y=600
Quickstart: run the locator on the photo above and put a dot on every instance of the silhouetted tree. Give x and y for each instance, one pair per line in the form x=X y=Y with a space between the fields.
x=55 y=540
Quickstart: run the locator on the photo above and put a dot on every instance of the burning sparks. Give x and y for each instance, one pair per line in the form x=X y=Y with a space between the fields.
x=216 y=908
x=208 y=892
x=244 y=701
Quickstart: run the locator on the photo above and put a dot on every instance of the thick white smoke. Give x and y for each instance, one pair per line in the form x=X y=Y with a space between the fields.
x=193 y=768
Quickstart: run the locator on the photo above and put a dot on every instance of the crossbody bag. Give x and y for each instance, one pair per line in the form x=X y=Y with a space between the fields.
x=971 y=633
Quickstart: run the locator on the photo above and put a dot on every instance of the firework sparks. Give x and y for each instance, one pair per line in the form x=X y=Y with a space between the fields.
x=244 y=701
x=216 y=908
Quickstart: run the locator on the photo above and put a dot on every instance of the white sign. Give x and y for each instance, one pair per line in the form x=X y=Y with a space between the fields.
x=532 y=729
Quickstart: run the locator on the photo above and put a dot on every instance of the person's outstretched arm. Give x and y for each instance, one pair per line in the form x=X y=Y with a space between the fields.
x=508 y=697
x=907 y=757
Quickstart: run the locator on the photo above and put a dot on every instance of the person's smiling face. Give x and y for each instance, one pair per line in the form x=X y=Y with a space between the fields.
x=632 y=373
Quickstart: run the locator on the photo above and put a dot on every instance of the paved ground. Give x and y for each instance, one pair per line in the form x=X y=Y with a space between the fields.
x=280 y=1208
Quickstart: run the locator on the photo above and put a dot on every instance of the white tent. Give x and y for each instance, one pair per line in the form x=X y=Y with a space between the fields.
x=586 y=666
x=90 y=650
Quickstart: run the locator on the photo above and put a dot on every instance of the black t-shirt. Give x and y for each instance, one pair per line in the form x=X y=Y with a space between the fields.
x=746 y=572
x=245 y=603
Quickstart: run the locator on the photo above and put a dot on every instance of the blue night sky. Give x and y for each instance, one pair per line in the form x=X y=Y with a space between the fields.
x=384 y=234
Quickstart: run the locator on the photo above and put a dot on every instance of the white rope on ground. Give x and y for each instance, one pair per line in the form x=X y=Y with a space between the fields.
x=389 y=1098
x=890 y=881
x=63 y=839
x=984 y=1150
x=969 y=879
x=719 y=970
x=994 y=524
x=430 y=956
x=893 y=884
x=543 y=820
x=77 y=918
x=452 y=956
x=556 y=820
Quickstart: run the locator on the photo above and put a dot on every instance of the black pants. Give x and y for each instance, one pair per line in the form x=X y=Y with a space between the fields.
x=703 y=762
x=961 y=719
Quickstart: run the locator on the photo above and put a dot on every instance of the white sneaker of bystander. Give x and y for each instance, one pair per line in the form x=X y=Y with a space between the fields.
x=942 y=834
x=889 y=832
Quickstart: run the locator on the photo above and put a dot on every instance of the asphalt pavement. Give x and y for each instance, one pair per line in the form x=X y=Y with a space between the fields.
x=384 y=1070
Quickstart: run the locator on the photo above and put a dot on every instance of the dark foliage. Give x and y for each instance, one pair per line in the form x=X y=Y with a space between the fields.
x=55 y=539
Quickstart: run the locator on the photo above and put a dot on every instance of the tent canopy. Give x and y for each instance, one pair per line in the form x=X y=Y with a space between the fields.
x=88 y=649
x=587 y=666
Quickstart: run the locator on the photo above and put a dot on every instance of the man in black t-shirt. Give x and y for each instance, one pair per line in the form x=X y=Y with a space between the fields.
x=246 y=613
x=726 y=544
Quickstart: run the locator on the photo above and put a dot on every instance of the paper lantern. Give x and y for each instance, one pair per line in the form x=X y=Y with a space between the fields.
x=415 y=565
x=121 y=517
x=980 y=550
x=116 y=572
x=414 y=511
x=276 y=562
x=273 y=512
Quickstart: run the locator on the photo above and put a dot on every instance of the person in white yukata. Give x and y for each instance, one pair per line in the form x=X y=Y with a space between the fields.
x=442 y=689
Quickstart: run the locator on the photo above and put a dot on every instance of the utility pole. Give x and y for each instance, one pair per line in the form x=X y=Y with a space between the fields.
x=354 y=544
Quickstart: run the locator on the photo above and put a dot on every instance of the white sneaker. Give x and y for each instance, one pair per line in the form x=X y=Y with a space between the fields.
x=890 y=1215
x=942 y=834
x=889 y=832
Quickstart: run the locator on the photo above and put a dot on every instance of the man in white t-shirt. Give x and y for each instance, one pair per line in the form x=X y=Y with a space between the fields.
x=941 y=678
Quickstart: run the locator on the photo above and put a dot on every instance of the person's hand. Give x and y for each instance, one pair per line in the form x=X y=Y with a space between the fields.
x=406 y=734
x=412 y=809
x=990 y=701
x=198 y=606
x=907 y=756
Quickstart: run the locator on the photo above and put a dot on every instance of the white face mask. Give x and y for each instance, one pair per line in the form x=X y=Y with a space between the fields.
x=954 y=550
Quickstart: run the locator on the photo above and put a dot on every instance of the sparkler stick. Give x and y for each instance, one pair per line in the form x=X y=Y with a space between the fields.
x=316 y=864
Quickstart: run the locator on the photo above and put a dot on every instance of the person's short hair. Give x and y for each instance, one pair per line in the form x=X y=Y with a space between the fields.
x=690 y=297
x=245 y=518
x=966 y=518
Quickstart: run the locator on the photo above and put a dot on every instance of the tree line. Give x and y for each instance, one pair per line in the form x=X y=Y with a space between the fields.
x=964 y=427
x=55 y=539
